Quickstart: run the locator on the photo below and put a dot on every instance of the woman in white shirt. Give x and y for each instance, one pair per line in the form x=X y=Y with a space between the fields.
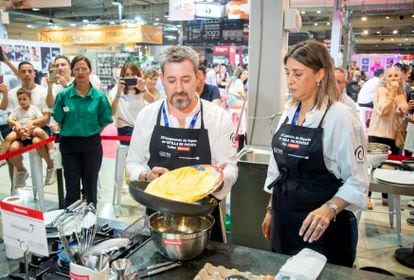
x=127 y=99
x=236 y=93
x=318 y=171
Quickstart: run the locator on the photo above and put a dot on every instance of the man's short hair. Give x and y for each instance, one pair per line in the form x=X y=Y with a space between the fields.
x=24 y=63
x=405 y=68
x=343 y=71
x=378 y=72
x=179 y=54
x=202 y=68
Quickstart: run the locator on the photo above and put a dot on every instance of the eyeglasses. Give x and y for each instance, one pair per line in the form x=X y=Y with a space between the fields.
x=80 y=69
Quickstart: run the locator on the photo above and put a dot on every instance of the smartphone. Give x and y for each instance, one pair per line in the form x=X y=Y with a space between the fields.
x=1 y=79
x=52 y=75
x=1 y=54
x=412 y=95
x=130 y=81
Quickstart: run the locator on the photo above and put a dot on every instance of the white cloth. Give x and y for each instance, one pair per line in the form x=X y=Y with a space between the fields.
x=129 y=106
x=211 y=77
x=25 y=116
x=409 y=139
x=38 y=95
x=343 y=142
x=220 y=131
x=366 y=93
x=305 y=265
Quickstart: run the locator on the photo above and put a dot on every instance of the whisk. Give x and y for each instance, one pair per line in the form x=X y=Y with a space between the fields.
x=85 y=230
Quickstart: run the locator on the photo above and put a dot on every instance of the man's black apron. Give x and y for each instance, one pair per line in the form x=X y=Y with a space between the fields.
x=178 y=147
x=304 y=185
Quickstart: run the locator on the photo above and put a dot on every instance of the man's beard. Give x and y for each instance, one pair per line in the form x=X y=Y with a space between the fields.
x=181 y=103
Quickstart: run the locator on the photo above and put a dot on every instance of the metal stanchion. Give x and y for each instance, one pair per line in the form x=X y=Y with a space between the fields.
x=57 y=162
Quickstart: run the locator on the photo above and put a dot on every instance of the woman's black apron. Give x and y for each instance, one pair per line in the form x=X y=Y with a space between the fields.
x=178 y=147
x=305 y=184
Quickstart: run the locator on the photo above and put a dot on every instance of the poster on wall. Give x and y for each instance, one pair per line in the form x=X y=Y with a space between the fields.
x=28 y=4
x=186 y=10
x=39 y=54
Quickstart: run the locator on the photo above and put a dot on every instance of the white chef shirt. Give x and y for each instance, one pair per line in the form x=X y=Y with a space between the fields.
x=129 y=106
x=343 y=140
x=38 y=95
x=367 y=91
x=348 y=101
x=220 y=131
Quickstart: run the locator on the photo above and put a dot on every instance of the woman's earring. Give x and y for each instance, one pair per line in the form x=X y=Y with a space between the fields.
x=318 y=83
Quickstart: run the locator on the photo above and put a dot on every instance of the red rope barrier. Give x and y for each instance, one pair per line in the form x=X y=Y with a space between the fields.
x=53 y=138
x=27 y=148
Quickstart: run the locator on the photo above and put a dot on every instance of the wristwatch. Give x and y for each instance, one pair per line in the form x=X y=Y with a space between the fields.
x=334 y=207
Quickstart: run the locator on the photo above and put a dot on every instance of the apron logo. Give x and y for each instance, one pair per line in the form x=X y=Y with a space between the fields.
x=359 y=153
x=165 y=154
x=183 y=149
x=293 y=146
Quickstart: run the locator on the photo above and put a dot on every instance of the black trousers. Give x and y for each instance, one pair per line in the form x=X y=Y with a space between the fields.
x=81 y=160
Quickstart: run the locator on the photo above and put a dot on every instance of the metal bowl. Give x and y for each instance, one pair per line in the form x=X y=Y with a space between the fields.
x=408 y=164
x=180 y=237
x=377 y=153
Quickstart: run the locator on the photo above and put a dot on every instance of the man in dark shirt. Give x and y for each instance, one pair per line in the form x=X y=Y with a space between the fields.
x=206 y=91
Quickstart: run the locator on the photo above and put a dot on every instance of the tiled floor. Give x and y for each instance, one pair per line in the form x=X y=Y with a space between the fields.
x=377 y=240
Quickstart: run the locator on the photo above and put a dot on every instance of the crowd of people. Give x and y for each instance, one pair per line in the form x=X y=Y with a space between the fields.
x=180 y=115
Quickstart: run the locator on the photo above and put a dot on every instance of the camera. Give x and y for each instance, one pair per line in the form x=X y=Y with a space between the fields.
x=130 y=81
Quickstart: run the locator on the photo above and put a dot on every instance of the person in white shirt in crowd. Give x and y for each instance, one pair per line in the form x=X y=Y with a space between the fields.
x=318 y=172
x=127 y=99
x=186 y=118
x=38 y=95
x=366 y=97
x=211 y=76
x=341 y=78
x=236 y=93
x=151 y=92
x=24 y=120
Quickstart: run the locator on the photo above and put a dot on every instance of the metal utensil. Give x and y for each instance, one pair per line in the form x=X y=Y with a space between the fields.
x=148 y=273
x=52 y=226
x=121 y=266
x=107 y=246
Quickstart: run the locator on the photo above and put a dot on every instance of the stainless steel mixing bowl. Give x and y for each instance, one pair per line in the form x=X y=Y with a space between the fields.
x=377 y=153
x=180 y=237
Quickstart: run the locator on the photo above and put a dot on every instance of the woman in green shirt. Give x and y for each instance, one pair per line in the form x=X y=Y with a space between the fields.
x=82 y=111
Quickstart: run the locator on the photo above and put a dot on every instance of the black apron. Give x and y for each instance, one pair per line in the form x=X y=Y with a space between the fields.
x=305 y=184
x=178 y=147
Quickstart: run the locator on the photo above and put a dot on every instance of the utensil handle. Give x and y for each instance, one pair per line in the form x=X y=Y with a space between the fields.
x=161 y=269
x=150 y=267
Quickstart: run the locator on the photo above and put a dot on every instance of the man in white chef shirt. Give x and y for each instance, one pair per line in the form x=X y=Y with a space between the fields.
x=182 y=115
x=341 y=77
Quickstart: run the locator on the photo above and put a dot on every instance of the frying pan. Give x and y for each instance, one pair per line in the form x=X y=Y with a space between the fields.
x=202 y=207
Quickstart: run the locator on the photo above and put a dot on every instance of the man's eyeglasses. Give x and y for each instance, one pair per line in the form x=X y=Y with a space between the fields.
x=80 y=69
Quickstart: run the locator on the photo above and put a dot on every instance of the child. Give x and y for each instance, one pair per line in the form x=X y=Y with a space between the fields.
x=21 y=120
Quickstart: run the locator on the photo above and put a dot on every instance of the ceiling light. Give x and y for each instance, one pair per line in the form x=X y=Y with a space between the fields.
x=412 y=16
x=392 y=39
x=35 y=9
x=365 y=32
x=157 y=19
x=406 y=39
x=85 y=20
x=138 y=18
x=72 y=24
x=395 y=32
x=378 y=32
x=318 y=11
x=328 y=23
x=29 y=26
x=112 y=22
x=364 y=18
x=304 y=12
x=316 y=24
x=387 y=17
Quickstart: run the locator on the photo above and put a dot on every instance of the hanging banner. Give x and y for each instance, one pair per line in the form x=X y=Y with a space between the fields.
x=102 y=35
x=28 y=4
x=186 y=10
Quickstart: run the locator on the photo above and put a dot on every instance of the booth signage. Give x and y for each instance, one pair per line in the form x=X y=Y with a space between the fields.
x=102 y=35
x=24 y=228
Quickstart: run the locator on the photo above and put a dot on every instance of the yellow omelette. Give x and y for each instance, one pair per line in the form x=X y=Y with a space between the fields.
x=186 y=184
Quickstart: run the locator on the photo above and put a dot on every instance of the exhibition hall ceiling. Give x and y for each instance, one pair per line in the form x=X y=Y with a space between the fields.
x=374 y=25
